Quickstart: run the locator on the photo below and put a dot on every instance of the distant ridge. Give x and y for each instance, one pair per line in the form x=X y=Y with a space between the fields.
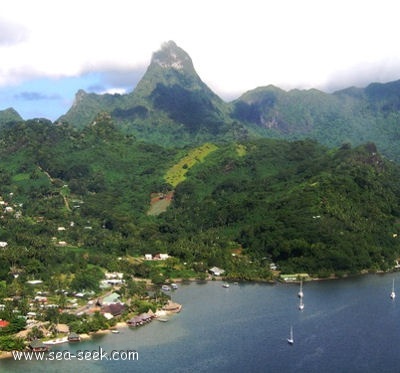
x=172 y=106
x=9 y=115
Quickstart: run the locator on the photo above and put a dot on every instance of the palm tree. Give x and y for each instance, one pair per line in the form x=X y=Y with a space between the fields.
x=15 y=270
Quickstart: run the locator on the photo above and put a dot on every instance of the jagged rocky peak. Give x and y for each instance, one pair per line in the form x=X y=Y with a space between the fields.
x=79 y=97
x=171 y=56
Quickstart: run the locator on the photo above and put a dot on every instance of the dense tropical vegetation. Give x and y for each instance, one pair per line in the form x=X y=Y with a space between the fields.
x=79 y=199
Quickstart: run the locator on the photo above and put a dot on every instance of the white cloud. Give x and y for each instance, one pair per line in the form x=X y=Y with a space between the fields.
x=235 y=45
x=113 y=91
x=11 y=33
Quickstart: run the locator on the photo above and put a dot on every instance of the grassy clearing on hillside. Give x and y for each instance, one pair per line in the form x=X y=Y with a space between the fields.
x=176 y=174
x=159 y=203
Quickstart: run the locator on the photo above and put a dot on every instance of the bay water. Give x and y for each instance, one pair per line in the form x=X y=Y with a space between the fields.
x=348 y=325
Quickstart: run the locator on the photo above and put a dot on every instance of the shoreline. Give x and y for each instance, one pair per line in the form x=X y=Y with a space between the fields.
x=277 y=279
x=6 y=355
x=123 y=325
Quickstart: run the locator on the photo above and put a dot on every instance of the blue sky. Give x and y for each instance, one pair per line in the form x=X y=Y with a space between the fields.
x=50 y=97
x=51 y=49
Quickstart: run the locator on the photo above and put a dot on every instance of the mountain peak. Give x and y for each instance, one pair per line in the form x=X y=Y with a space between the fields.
x=170 y=56
x=9 y=115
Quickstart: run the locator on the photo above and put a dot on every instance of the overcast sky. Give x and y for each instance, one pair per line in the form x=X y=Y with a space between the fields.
x=51 y=48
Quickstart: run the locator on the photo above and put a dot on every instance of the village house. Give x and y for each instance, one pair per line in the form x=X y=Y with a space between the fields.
x=110 y=299
x=3 y=324
x=172 y=307
x=114 y=309
x=114 y=275
x=31 y=316
x=161 y=257
x=37 y=346
x=215 y=271
x=112 y=279
x=141 y=319
x=40 y=299
x=273 y=267
x=74 y=337
x=158 y=256
x=108 y=315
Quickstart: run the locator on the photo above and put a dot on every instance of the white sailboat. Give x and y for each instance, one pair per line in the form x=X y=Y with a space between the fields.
x=300 y=293
x=290 y=339
x=301 y=305
x=393 y=294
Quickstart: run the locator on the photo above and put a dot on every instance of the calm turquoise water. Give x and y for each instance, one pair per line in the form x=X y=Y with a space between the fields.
x=347 y=326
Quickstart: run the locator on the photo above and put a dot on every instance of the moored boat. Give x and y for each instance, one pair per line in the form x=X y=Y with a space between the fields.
x=301 y=305
x=290 y=340
x=300 y=293
x=163 y=319
x=393 y=294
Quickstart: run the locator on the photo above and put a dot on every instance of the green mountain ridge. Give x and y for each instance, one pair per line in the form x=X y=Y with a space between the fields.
x=172 y=106
x=352 y=115
x=9 y=115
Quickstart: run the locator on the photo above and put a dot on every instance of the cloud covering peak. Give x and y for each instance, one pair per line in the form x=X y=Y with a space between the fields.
x=235 y=45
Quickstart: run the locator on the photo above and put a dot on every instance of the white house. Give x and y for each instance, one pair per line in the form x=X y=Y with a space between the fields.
x=114 y=275
x=156 y=257
x=216 y=271
x=3 y=244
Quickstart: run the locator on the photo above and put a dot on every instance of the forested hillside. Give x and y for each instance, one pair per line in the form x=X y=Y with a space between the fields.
x=73 y=199
x=353 y=115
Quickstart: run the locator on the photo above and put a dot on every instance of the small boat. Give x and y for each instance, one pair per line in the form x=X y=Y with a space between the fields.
x=174 y=286
x=165 y=288
x=300 y=293
x=301 y=305
x=163 y=319
x=225 y=285
x=291 y=339
x=114 y=331
x=393 y=294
